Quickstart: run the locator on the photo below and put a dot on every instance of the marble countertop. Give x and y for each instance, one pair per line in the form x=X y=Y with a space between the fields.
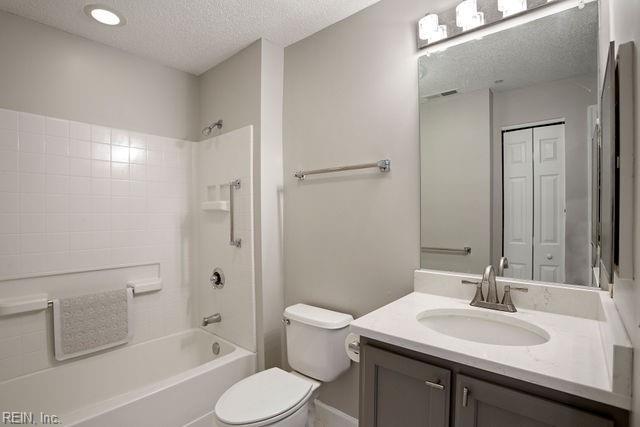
x=575 y=360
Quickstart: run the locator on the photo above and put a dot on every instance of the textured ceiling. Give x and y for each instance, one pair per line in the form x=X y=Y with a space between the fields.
x=551 y=48
x=191 y=35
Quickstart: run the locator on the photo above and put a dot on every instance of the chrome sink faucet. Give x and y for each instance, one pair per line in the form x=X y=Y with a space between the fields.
x=492 y=302
x=214 y=318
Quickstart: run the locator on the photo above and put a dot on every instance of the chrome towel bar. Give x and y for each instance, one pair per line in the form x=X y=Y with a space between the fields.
x=382 y=165
x=451 y=251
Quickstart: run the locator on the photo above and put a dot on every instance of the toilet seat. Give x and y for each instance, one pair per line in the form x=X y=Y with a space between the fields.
x=263 y=398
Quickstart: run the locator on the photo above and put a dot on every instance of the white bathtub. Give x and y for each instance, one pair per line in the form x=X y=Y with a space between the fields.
x=171 y=381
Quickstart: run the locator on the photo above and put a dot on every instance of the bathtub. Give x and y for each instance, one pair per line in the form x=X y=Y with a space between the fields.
x=170 y=381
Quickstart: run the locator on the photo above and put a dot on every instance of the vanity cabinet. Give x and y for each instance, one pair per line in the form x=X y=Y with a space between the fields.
x=400 y=387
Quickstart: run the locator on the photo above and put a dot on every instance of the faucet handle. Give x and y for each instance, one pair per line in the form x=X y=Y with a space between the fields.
x=478 y=296
x=506 y=297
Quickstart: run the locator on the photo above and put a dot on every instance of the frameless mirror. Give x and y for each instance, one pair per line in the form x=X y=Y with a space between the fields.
x=507 y=142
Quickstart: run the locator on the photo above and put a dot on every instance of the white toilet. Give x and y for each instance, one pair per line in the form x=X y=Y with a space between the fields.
x=315 y=349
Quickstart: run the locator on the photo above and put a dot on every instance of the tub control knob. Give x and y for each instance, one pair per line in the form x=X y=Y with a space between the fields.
x=217 y=278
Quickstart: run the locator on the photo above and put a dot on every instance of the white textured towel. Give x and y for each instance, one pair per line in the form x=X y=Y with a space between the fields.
x=89 y=323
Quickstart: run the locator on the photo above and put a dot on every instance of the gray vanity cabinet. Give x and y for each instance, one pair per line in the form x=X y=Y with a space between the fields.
x=483 y=404
x=403 y=388
x=399 y=391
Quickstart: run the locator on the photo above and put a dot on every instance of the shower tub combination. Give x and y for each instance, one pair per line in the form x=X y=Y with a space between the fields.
x=170 y=381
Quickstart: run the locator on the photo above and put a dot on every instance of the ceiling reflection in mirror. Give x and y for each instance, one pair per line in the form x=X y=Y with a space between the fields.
x=507 y=126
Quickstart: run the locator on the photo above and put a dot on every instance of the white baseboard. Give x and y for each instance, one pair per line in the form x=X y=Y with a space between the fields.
x=328 y=416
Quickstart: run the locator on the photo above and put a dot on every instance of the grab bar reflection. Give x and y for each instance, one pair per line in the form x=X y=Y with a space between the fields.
x=382 y=165
x=451 y=251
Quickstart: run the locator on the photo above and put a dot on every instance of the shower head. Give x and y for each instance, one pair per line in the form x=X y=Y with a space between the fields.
x=207 y=130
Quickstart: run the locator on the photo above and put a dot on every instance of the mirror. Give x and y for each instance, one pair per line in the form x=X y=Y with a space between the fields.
x=508 y=151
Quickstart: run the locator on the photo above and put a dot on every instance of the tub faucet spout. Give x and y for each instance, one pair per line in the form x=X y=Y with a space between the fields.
x=214 y=318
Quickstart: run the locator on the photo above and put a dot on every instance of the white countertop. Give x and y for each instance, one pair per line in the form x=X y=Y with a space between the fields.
x=575 y=360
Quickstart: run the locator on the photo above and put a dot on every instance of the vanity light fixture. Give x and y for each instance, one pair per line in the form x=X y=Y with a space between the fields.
x=467 y=15
x=430 y=30
x=511 y=7
x=471 y=24
x=104 y=15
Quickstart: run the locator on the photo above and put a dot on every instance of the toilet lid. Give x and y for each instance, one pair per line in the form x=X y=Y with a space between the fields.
x=261 y=396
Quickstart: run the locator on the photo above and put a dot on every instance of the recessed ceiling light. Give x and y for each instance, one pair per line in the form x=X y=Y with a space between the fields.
x=104 y=15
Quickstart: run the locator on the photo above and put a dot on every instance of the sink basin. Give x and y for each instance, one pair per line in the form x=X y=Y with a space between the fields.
x=483 y=326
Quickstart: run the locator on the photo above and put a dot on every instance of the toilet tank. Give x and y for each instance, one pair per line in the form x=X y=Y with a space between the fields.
x=315 y=341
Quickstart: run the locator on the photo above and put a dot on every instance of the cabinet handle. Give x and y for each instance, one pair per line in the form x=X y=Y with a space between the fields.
x=465 y=397
x=435 y=384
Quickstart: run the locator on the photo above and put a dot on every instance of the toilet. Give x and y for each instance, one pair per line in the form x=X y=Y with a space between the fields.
x=315 y=349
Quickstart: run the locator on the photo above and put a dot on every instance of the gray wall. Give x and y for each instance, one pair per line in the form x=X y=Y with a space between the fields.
x=455 y=154
x=619 y=22
x=350 y=96
x=50 y=72
x=231 y=91
x=568 y=99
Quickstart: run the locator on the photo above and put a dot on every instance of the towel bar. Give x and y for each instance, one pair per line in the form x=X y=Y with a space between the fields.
x=40 y=302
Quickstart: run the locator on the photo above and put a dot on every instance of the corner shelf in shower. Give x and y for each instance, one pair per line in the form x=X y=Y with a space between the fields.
x=214 y=201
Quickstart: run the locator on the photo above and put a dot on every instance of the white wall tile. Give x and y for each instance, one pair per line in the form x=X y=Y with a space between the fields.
x=8 y=161
x=56 y=165
x=101 y=134
x=56 y=145
x=8 y=140
x=119 y=154
x=75 y=196
x=9 y=181
x=119 y=137
x=78 y=148
x=31 y=142
x=57 y=223
x=57 y=184
x=32 y=223
x=8 y=119
x=79 y=185
x=120 y=170
x=100 y=169
x=57 y=127
x=9 y=244
x=9 y=203
x=31 y=183
x=100 y=186
x=138 y=155
x=32 y=123
x=32 y=203
x=56 y=203
x=80 y=131
x=32 y=243
x=100 y=151
x=79 y=167
x=9 y=224
x=31 y=163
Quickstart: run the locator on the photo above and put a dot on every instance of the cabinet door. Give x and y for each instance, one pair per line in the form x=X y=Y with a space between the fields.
x=399 y=391
x=482 y=404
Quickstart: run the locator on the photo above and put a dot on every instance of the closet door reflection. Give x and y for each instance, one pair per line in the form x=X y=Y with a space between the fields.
x=534 y=202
